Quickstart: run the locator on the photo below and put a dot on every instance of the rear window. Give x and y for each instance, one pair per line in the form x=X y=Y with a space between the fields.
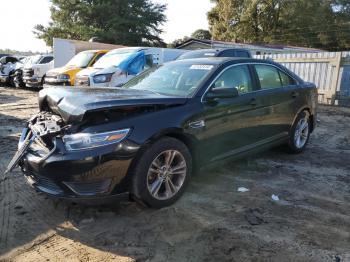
x=234 y=53
x=197 y=54
x=268 y=76
x=242 y=54
x=286 y=79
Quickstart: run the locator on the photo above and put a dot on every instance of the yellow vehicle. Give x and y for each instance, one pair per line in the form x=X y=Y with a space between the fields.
x=65 y=76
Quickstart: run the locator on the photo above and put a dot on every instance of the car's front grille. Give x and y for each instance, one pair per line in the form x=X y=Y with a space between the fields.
x=82 y=81
x=28 y=72
x=45 y=184
x=89 y=188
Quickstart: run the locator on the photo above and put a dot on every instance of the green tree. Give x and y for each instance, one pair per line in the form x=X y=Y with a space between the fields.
x=201 y=34
x=198 y=34
x=309 y=23
x=125 y=22
x=178 y=42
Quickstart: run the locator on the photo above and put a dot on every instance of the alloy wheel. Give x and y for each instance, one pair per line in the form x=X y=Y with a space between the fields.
x=301 y=132
x=166 y=174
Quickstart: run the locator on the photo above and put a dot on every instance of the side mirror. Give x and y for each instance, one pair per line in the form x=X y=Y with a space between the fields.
x=218 y=93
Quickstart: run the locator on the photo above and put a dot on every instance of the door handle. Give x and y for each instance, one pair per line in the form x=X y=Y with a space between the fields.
x=295 y=94
x=253 y=102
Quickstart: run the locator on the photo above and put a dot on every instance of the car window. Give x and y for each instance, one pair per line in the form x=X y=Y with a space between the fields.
x=235 y=77
x=268 y=76
x=46 y=59
x=228 y=53
x=149 y=62
x=242 y=54
x=97 y=58
x=286 y=79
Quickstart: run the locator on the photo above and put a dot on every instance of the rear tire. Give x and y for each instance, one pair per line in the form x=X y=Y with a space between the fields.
x=300 y=133
x=161 y=173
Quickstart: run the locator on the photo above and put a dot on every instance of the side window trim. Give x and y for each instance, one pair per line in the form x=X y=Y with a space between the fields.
x=255 y=75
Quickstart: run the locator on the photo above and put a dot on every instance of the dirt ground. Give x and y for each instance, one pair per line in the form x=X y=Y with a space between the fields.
x=211 y=222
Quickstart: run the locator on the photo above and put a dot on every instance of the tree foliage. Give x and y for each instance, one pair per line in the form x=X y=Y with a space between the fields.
x=201 y=34
x=125 y=22
x=198 y=34
x=309 y=23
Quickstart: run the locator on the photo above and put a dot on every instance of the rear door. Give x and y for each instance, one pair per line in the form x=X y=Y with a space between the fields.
x=230 y=123
x=278 y=97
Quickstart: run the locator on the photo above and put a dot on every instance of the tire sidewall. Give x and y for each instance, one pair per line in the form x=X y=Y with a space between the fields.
x=139 y=182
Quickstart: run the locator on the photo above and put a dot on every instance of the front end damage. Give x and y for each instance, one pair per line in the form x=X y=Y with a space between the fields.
x=91 y=174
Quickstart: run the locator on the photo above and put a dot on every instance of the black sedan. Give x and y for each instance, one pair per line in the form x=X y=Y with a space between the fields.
x=144 y=140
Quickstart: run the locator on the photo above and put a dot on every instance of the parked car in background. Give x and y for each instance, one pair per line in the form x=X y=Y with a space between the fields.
x=7 y=66
x=17 y=74
x=147 y=137
x=34 y=71
x=224 y=52
x=120 y=65
x=2 y=55
x=65 y=76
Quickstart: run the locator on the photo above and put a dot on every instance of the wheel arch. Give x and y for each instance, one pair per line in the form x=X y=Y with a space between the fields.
x=177 y=133
x=307 y=109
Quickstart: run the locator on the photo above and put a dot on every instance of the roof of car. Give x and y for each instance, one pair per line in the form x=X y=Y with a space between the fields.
x=217 y=50
x=222 y=60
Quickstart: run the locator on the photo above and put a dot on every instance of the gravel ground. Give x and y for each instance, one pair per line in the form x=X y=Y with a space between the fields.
x=211 y=222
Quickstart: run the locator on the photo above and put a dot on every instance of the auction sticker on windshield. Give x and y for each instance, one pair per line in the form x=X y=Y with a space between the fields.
x=201 y=67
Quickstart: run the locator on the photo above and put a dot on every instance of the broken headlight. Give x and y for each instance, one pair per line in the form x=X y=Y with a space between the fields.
x=83 y=141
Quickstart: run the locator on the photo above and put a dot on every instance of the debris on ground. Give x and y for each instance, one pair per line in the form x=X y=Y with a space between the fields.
x=275 y=197
x=243 y=189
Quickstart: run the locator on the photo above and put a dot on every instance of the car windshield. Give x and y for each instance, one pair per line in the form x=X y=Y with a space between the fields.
x=197 y=54
x=33 y=60
x=81 y=60
x=175 y=79
x=114 y=58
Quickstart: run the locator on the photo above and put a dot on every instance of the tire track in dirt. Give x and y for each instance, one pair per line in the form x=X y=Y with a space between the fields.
x=10 y=209
x=5 y=214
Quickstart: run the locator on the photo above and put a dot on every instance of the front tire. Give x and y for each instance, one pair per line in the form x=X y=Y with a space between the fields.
x=162 y=173
x=300 y=133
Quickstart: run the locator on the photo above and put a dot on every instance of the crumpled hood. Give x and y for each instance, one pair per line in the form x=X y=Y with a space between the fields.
x=73 y=103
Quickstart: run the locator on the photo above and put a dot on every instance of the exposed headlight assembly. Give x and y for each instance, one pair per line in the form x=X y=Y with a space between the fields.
x=81 y=141
x=98 y=79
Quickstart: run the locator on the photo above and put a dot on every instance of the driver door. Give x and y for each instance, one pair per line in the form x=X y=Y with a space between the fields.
x=230 y=123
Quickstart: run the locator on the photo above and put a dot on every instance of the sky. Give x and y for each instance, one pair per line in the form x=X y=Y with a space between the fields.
x=16 y=31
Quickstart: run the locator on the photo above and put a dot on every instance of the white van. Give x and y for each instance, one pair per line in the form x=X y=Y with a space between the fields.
x=119 y=66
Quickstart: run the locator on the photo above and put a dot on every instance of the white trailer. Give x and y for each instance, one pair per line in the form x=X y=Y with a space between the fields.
x=65 y=49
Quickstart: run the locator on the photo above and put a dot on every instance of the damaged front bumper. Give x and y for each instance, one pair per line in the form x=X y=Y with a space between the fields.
x=32 y=81
x=97 y=174
x=4 y=78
